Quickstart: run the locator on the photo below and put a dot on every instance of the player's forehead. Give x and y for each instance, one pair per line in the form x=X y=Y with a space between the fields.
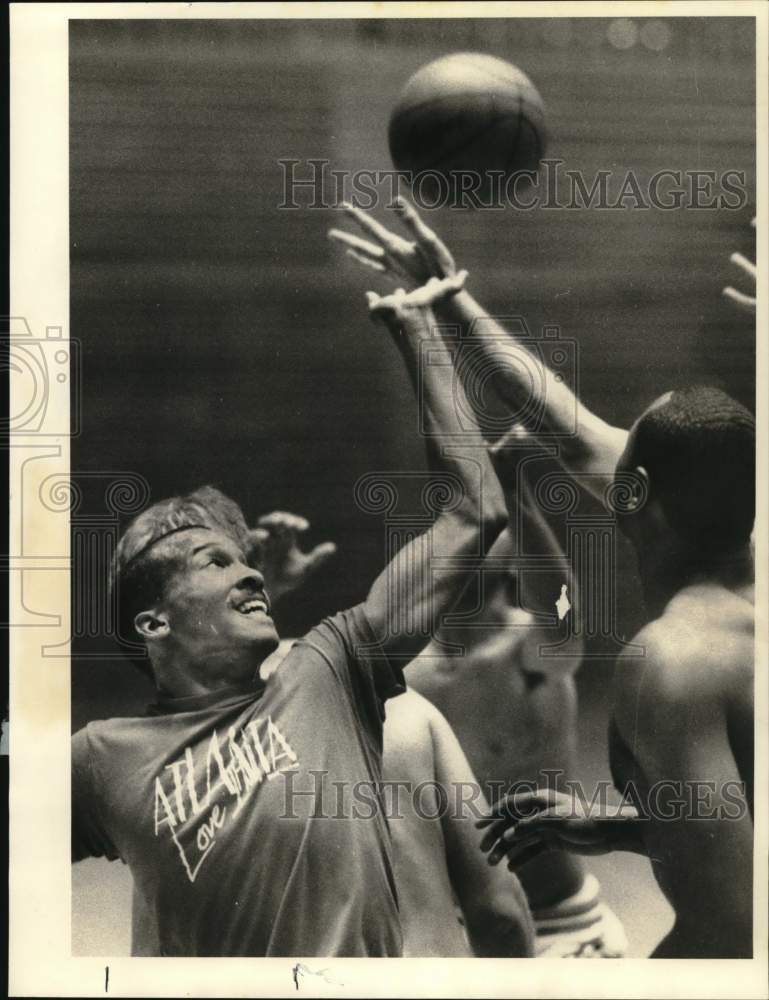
x=183 y=546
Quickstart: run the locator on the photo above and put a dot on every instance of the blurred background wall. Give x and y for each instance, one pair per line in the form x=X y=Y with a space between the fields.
x=225 y=340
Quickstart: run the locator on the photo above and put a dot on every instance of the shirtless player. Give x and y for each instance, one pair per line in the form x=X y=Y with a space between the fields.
x=683 y=714
x=681 y=737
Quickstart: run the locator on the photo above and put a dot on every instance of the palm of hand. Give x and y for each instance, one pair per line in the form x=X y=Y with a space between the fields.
x=283 y=566
x=275 y=549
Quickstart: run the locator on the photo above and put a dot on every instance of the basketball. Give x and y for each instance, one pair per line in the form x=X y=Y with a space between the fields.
x=467 y=112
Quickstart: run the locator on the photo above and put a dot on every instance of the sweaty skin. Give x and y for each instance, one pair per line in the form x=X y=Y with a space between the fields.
x=438 y=864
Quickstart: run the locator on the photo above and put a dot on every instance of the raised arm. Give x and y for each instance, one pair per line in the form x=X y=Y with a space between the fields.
x=596 y=446
x=426 y=577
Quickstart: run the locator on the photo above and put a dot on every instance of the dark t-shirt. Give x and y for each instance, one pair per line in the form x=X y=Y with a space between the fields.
x=235 y=845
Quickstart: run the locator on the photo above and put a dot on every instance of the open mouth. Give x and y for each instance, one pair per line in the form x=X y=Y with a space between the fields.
x=252 y=605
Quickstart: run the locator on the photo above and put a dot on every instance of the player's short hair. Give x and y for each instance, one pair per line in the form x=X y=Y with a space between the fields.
x=699 y=449
x=140 y=568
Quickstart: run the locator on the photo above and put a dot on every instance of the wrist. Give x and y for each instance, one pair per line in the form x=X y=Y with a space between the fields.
x=417 y=323
x=456 y=307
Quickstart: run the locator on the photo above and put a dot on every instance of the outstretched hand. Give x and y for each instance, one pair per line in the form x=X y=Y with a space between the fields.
x=400 y=304
x=414 y=261
x=525 y=825
x=743 y=301
x=275 y=550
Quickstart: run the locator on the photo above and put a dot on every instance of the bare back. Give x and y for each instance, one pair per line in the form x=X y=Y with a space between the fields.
x=682 y=734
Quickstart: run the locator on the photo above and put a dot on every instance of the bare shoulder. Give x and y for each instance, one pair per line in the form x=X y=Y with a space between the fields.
x=408 y=744
x=411 y=713
x=413 y=708
x=698 y=655
x=409 y=707
x=713 y=630
x=658 y=676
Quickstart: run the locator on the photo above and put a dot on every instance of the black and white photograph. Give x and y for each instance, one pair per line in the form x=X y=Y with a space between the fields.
x=390 y=448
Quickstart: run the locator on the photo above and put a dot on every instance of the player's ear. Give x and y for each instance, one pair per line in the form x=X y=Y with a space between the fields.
x=152 y=625
x=640 y=488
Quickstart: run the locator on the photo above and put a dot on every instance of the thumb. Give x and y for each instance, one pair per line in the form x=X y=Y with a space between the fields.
x=256 y=540
x=320 y=555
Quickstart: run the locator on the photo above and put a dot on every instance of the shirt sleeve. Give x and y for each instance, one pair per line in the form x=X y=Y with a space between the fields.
x=89 y=837
x=348 y=645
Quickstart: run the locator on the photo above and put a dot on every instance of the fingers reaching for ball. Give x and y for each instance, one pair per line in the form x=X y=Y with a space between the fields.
x=434 y=251
x=414 y=261
x=743 y=300
x=747 y=303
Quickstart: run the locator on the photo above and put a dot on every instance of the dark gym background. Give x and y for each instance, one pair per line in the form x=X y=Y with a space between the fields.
x=226 y=341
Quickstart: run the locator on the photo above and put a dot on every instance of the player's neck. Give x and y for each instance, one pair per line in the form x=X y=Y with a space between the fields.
x=185 y=680
x=666 y=570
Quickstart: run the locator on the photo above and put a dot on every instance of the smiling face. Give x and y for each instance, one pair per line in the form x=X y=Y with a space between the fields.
x=214 y=613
